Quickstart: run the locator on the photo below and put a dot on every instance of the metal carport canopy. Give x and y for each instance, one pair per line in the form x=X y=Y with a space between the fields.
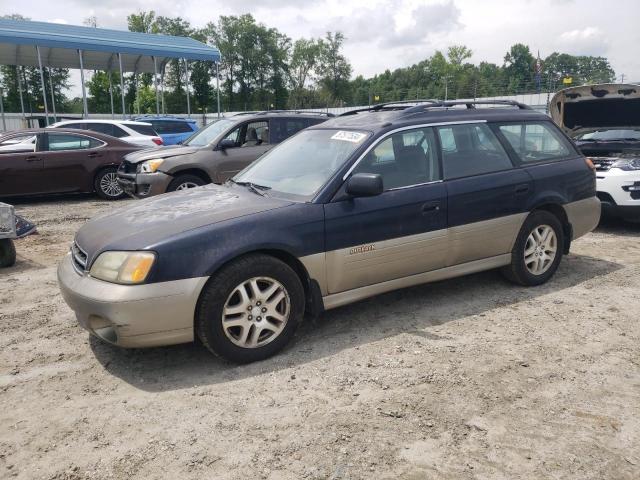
x=59 y=44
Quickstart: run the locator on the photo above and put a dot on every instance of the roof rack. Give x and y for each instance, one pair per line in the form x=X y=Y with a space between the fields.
x=300 y=112
x=152 y=116
x=421 y=105
x=399 y=105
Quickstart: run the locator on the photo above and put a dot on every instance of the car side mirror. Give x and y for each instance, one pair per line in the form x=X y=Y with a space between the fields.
x=365 y=185
x=226 y=143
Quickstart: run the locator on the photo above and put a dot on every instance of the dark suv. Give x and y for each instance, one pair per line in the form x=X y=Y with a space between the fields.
x=371 y=201
x=214 y=154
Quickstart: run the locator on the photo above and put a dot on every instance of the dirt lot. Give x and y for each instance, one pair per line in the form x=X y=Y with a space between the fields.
x=470 y=378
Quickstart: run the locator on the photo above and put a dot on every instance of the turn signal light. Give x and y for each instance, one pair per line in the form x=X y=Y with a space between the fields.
x=157 y=140
x=589 y=163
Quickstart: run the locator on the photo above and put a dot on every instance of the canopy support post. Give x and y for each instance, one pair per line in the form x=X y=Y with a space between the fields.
x=4 y=122
x=85 y=109
x=20 y=90
x=113 y=115
x=121 y=86
x=44 y=90
x=164 y=65
x=218 y=86
x=135 y=80
x=186 y=85
x=53 y=96
x=155 y=81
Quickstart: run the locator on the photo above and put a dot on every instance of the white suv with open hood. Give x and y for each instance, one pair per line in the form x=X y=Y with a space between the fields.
x=604 y=122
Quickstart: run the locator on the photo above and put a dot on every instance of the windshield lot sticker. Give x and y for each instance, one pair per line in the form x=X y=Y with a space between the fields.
x=353 y=137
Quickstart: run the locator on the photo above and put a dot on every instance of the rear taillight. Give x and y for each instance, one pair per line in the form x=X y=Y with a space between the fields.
x=589 y=163
x=157 y=140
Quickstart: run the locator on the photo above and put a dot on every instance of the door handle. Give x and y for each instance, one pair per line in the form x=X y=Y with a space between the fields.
x=94 y=155
x=524 y=188
x=33 y=159
x=430 y=207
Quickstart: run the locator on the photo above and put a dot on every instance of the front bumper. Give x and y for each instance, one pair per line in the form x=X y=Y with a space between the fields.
x=142 y=185
x=618 y=191
x=131 y=315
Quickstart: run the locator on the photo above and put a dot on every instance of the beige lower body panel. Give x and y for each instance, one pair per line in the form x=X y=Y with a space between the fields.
x=583 y=215
x=344 y=298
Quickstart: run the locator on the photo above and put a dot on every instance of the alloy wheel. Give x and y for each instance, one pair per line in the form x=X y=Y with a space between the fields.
x=256 y=312
x=540 y=249
x=186 y=185
x=109 y=185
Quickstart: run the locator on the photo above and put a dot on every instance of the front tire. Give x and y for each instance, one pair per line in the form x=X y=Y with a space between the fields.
x=537 y=251
x=106 y=184
x=184 y=182
x=7 y=253
x=250 y=309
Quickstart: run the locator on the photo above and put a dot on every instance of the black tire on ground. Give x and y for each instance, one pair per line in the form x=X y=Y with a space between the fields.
x=220 y=289
x=106 y=185
x=186 y=180
x=7 y=253
x=517 y=271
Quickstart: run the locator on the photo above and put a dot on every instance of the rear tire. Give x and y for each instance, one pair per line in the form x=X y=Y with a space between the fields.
x=250 y=309
x=7 y=253
x=537 y=251
x=184 y=182
x=106 y=184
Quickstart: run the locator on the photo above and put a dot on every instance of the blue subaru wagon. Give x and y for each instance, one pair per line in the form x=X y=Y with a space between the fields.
x=371 y=201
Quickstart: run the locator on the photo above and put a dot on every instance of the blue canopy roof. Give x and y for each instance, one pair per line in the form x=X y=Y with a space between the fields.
x=59 y=44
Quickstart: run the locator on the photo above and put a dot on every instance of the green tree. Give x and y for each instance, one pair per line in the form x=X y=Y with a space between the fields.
x=519 y=69
x=334 y=69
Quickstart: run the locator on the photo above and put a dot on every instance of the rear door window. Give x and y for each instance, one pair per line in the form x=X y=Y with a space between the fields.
x=536 y=142
x=105 y=128
x=471 y=149
x=283 y=128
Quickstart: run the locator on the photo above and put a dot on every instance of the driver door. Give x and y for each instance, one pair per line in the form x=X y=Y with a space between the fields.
x=251 y=140
x=399 y=233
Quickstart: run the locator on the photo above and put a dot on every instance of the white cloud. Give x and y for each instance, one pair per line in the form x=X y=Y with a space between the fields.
x=585 y=41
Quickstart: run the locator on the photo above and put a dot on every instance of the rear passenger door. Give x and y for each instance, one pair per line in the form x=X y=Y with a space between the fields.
x=399 y=233
x=486 y=195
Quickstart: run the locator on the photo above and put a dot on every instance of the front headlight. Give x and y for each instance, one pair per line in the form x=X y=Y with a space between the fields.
x=627 y=164
x=128 y=268
x=150 y=166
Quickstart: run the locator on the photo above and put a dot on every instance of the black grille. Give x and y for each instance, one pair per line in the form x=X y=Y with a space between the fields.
x=127 y=167
x=79 y=257
x=603 y=164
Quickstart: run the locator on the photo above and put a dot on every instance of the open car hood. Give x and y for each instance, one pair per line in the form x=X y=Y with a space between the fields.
x=596 y=106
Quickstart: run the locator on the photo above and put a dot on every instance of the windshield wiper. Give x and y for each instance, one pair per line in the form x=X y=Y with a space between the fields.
x=254 y=187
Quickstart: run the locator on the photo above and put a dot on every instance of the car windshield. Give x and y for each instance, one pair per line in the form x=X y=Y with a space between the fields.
x=301 y=165
x=209 y=133
x=611 y=134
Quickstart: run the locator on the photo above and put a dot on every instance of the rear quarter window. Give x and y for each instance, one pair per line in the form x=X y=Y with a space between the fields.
x=170 y=127
x=536 y=141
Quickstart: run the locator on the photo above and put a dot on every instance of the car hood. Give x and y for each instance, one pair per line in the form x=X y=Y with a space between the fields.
x=596 y=106
x=155 y=219
x=160 y=152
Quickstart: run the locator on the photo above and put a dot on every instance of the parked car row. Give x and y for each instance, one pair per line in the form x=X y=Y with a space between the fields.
x=372 y=201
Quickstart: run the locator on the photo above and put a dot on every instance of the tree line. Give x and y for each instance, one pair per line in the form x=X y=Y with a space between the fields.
x=262 y=68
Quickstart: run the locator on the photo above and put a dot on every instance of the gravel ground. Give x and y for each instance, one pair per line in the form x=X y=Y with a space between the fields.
x=462 y=379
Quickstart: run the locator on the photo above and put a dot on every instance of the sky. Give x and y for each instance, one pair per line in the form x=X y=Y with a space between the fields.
x=396 y=33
